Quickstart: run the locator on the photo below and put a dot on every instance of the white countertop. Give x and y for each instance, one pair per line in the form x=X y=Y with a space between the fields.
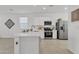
x=36 y=34
x=29 y=34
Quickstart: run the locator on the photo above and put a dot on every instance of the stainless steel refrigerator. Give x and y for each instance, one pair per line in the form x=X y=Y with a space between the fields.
x=62 y=29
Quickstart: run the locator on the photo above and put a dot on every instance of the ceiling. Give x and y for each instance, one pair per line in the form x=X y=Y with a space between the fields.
x=32 y=8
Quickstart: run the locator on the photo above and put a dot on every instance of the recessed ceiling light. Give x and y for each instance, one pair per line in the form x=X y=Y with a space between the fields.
x=65 y=8
x=44 y=8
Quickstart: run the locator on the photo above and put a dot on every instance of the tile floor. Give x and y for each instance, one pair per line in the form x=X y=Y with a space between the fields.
x=54 y=46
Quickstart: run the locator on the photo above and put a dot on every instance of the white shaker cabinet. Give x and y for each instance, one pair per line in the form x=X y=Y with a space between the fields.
x=27 y=45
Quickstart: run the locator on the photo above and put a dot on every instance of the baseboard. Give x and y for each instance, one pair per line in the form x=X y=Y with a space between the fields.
x=70 y=51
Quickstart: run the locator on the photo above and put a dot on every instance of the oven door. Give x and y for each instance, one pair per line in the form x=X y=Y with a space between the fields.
x=48 y=34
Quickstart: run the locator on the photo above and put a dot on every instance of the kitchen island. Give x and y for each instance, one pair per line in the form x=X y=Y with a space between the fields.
x=27 y=44
x=21 y=43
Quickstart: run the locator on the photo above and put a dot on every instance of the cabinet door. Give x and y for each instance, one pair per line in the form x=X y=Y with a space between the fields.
x=16 y=45
x=6 y=45
x=28 y=45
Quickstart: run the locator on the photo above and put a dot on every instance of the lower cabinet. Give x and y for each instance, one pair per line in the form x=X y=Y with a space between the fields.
x=27 y=45
x=6 y=46
x=20 y=45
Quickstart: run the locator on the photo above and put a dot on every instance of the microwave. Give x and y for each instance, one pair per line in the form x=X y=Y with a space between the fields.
x=47 y=23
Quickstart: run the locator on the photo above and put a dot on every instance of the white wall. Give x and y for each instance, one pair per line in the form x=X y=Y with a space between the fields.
x=33 y=19
x=4 y=31
x=73 y=32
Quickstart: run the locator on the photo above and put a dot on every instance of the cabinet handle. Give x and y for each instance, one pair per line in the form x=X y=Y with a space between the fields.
x=16 y=43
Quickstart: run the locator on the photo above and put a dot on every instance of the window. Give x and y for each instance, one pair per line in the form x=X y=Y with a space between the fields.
x=23 y=22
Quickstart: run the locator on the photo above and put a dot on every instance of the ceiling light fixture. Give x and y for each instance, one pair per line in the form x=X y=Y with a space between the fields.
x=65 y=8
x=44 y=8
x=51 y=5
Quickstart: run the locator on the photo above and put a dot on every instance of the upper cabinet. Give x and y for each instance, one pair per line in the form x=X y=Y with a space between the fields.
x=75 y=15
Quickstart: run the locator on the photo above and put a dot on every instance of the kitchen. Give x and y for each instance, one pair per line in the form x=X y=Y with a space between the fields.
x=30 y=21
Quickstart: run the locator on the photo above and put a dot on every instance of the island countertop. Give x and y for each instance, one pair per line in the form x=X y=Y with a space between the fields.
x=37 y=34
